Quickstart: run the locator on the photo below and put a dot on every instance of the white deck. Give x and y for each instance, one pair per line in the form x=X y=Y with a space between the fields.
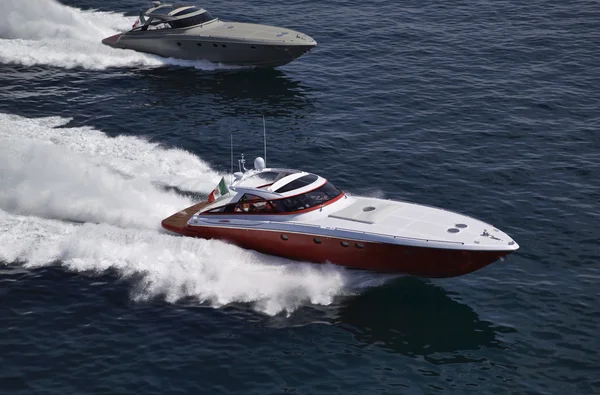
x=390 y=222
x=367 y=219
x=413 y=221
x=252 y=31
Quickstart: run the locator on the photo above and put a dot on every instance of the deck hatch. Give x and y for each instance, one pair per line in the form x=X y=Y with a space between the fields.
x=368 y=213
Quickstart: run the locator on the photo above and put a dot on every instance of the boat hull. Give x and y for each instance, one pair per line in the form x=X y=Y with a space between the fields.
x=214 y=50
x=374 y=256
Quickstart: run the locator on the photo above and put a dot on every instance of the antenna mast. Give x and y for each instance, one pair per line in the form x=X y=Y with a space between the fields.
x=265 y=139
x=231 y=137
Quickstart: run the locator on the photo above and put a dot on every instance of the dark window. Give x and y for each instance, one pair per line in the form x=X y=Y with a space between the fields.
x=284 y=237
x=224 y=46
x=250 y=204
x=192 y=20
x=294 y=203
x=249 y=197
x=298 y=183
x=360 y=245
x=254 y=204
x=215 y=45
x=307 y=200
x=179 y=44
x=344 y=244
x=317 y=240
x=199 y=44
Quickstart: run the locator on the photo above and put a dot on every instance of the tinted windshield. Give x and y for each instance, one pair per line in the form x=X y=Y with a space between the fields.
x=297 y=184
x=307 y=200
x=192 y=20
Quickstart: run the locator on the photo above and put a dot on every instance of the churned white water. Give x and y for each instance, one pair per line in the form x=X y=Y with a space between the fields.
x=46 y=32
x=76 y=197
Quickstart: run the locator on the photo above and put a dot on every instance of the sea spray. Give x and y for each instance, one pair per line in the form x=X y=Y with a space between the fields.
x=77 y=198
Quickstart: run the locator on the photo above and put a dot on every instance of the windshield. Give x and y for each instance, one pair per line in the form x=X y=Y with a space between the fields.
x=192 y=21
x=252 y=204
x=307 y=200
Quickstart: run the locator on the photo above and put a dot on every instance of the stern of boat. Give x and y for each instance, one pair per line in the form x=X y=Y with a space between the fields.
x=177 y=223
x=112 y=40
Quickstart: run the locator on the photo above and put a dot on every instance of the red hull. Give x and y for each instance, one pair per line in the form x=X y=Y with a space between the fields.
x=418 y=261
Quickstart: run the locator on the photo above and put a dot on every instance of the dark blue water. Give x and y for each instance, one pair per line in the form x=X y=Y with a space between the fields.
x=486 y=108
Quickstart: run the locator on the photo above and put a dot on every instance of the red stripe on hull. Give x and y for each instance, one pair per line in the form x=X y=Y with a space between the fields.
x=381 y=257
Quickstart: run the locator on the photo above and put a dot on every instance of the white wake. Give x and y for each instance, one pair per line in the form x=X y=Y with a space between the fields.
x=75 y=196
x=46 y=32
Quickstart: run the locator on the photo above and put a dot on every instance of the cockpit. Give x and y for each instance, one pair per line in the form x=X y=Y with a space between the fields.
x=279 y=192
x=172 y=17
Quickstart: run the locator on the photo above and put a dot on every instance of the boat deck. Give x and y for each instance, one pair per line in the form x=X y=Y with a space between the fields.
x=112 y=40
x=178 y=221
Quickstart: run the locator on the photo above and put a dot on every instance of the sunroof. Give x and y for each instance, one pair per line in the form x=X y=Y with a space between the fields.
x=298 y=183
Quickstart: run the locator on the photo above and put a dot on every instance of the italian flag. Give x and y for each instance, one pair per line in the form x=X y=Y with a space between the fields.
x=219 y=191
x=140 y=19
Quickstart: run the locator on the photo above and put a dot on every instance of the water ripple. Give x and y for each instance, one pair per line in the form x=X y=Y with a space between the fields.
x=487 y=108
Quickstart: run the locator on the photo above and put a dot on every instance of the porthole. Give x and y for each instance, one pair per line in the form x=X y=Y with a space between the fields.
x=317 y=240
x=215 y=45
x=284 y=237
x=462 y=226
x=360 y=246
x=253 y=46
x=179 y=44
x=368 y=208
x=453 y=230
x=344 y=244
x=199 y=44
x=224 y=46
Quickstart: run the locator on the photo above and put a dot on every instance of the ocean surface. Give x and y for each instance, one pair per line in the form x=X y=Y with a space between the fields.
x=488 y=108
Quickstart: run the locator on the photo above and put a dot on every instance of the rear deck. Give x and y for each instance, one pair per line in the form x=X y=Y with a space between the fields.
x=112 y=40
x=178 y=221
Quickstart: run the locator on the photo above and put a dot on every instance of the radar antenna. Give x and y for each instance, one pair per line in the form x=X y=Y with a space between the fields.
x=265 y=138
x=241 y=164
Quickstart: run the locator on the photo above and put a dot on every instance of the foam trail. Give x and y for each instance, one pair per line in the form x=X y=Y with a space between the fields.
x=171 y=267
x=49 y=175
x=127 y=155
x=45 y=32
x=80 y=174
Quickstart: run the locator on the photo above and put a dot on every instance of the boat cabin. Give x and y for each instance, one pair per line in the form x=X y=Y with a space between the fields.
x=168 y=16
x=277 y=191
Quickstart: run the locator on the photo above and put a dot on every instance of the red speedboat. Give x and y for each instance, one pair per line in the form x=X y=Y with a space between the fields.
x=302 y=216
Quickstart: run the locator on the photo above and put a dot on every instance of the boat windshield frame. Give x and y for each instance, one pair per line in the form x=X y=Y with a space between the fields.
x=196 y=18
x=320 y=196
